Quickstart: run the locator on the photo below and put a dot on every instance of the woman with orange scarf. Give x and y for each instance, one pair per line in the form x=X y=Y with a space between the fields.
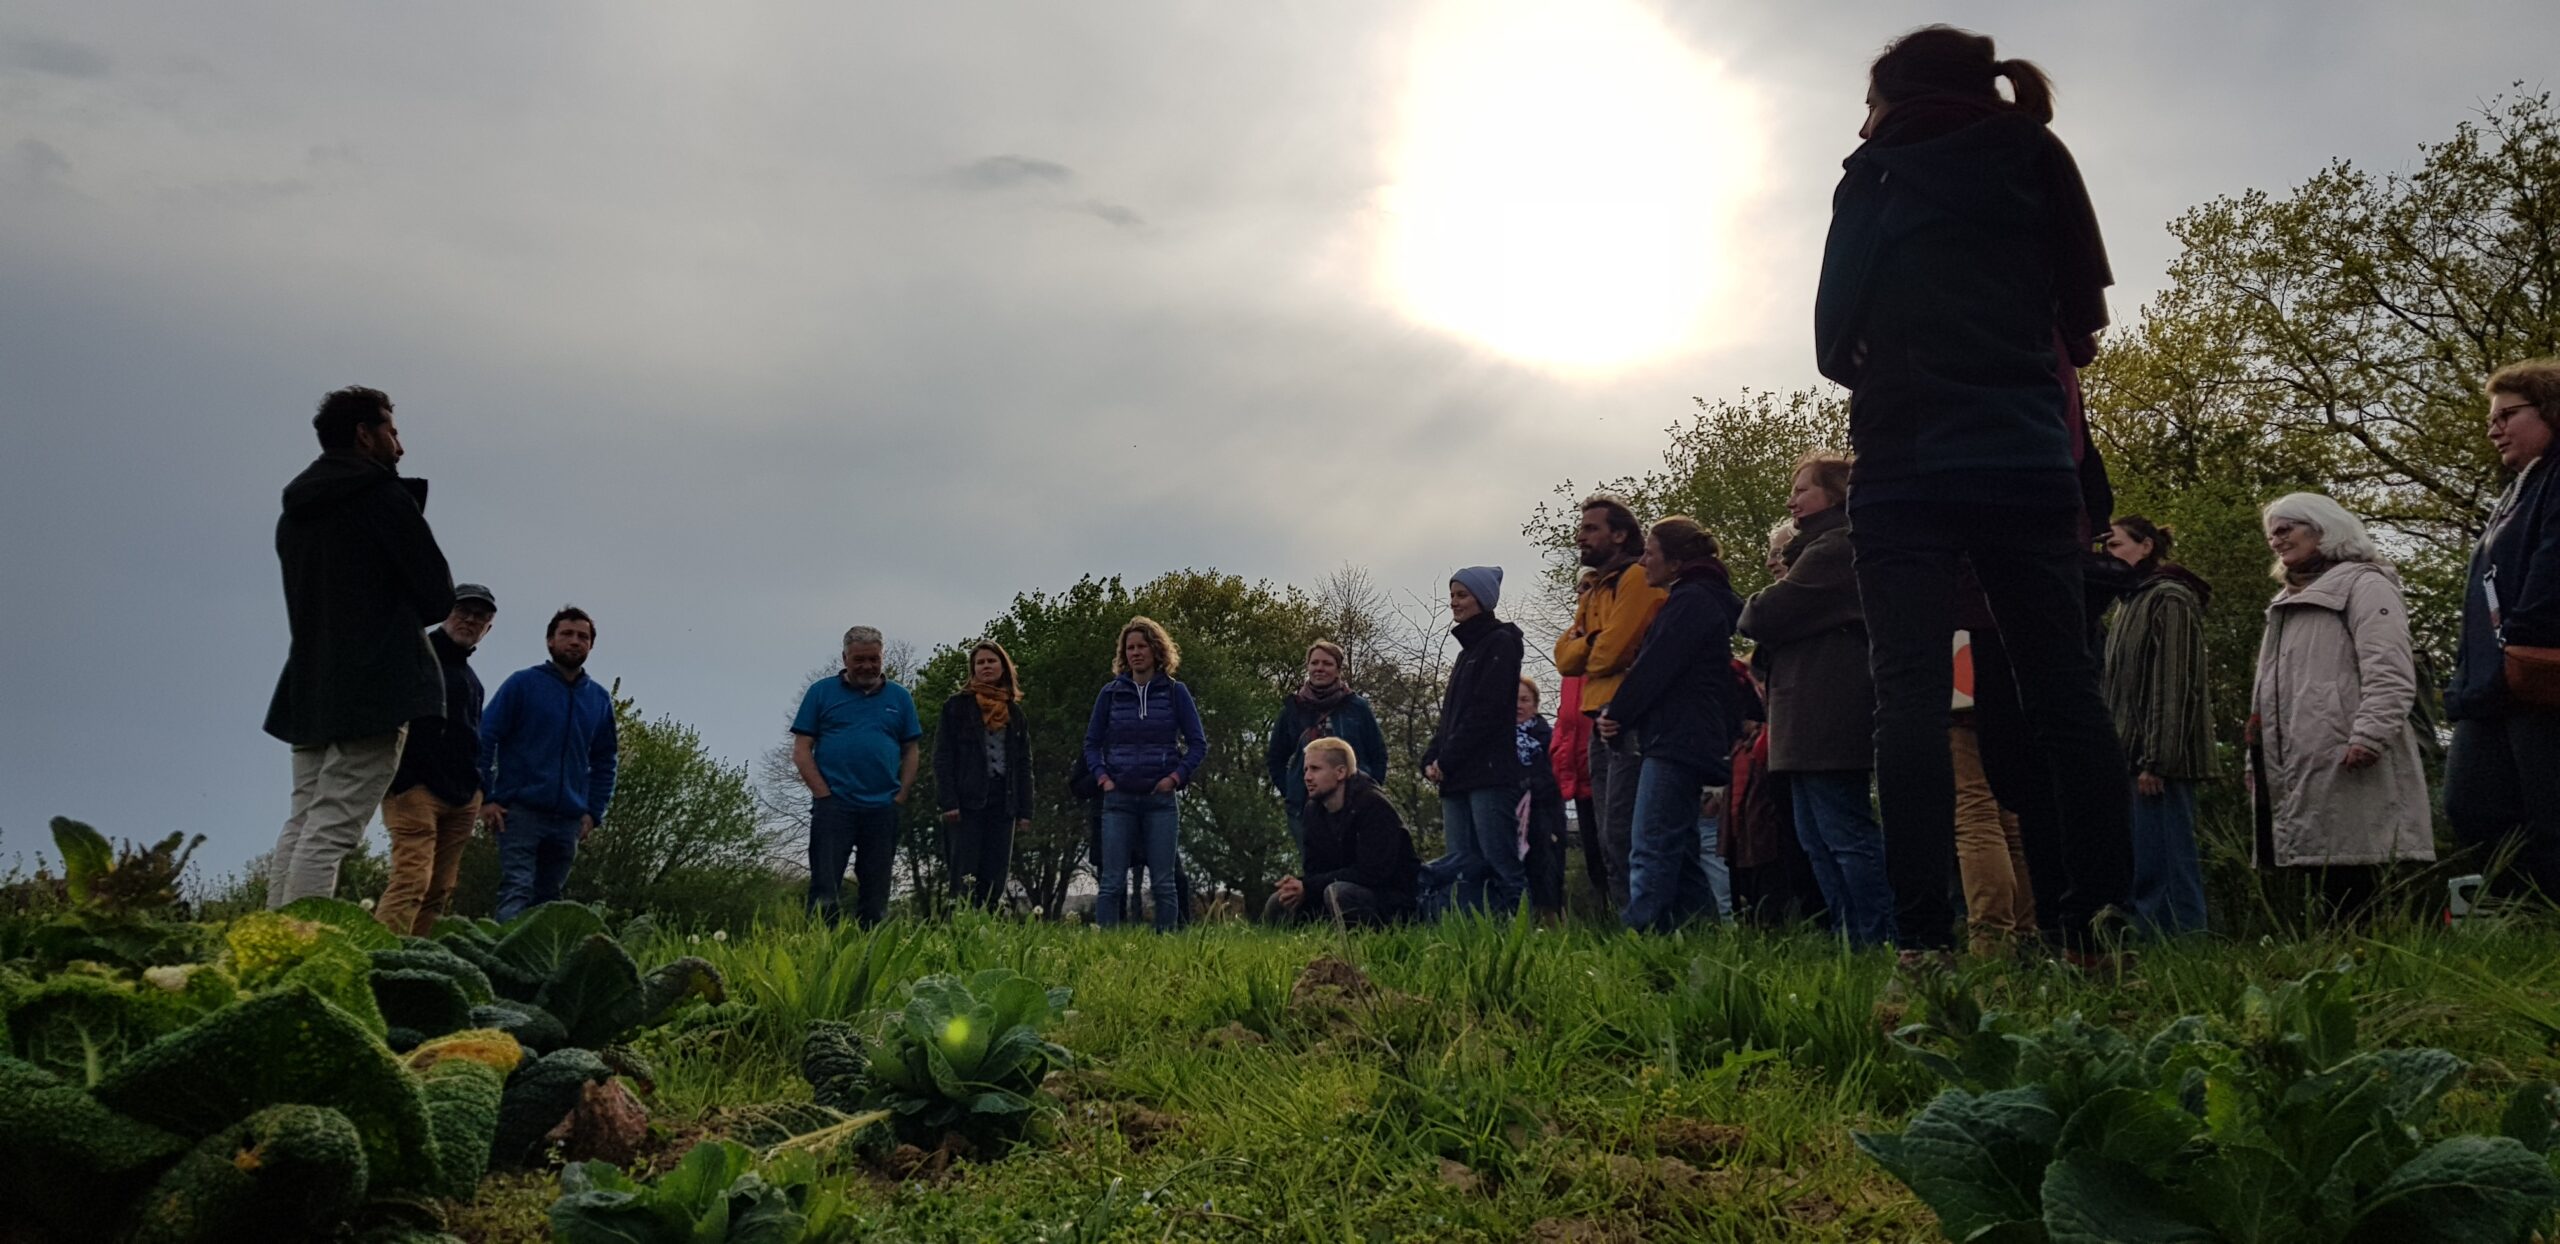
x=982 y=769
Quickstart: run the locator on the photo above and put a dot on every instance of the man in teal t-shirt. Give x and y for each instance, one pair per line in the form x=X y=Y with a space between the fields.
x=856 y=747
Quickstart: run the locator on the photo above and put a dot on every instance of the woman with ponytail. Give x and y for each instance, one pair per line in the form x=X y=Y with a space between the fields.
x=982 y=772
x=1962 y=283
x=2155 y=684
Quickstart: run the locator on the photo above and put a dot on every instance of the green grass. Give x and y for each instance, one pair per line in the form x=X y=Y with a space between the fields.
x=1593 y=1085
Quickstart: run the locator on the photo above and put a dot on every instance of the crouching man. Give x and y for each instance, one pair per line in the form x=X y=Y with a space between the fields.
x=1360 y=864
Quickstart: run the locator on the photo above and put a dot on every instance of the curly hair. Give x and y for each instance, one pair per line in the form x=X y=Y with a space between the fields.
x=1168 y=653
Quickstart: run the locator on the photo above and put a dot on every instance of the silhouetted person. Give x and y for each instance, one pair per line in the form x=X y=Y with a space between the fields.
x=363 y=578
x=1963 y=282
x=435 y=795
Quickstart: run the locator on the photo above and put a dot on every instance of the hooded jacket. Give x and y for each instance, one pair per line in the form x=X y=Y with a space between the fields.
x=2520 y=556
x=2155 y=679
x=363 y=578
x=1680 y=700
x=1473 y=745
x=2335 y=668
x=1137 y=735
x=1812 y=631
x=1365 y=843
x=442 y=753
x=1960 y=283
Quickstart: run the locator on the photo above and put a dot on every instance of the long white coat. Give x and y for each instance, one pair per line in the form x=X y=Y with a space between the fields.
x=2335 y=668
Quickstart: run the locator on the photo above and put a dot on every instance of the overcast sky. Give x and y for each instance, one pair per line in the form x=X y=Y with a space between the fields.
x=740 y=324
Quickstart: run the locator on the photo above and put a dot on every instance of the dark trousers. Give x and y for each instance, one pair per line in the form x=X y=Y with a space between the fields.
x=1545 y=865
x=2029 y=565
x=1595 y=862
x=980 y=854
x=2019 y=779
x=1616 y=772
x=841 y=831
x=1348 y=905
x=2502 y=791
x=534 y=854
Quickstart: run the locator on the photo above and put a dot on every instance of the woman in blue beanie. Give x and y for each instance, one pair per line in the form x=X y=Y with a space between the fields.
x=1472 y=757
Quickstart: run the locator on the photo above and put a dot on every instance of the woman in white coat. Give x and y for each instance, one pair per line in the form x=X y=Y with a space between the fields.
x=2340 y=786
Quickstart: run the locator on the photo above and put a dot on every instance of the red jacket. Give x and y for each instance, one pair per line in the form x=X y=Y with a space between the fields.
x=1570 y=753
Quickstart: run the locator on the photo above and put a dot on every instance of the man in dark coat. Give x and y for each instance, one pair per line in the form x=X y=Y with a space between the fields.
x=363 y=578
x=1361 y=866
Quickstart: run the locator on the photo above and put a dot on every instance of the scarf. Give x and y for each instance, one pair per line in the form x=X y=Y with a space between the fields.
x=995 y=704
x=1316 y=707
x=2308 y=573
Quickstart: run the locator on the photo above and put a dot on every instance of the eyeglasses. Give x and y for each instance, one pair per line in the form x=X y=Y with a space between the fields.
x=2499 y=415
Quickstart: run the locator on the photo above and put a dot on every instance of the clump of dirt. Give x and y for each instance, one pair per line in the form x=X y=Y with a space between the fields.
x=1330 y=982
x=1580 y=1231
x=1697 y=1140
x=1142 y=1127
x=1813 y=1210
x=908 y=1162
x=1236 y=1036
x=607 y=1125
x=1458 y=1177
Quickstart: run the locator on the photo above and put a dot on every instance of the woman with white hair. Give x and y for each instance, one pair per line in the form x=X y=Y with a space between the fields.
x=2340 y=786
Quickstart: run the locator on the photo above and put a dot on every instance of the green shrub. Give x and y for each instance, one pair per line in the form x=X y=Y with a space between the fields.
x=463 y=1098
x=2272 y=1127
x=541 y=1093
x=713 y=1195
x=963 y=1057
x=284 y=1173
x=68 y=1161
x=270 y=950
x=559 y=980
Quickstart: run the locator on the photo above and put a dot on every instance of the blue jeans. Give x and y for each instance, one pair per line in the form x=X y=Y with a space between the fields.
x=2168 y=878
x=534 y=855
x=1667 y=883
x=839 y=831
x=1135 y=825
x=1838 y=828
x=1711 y=858
x=1483 y=829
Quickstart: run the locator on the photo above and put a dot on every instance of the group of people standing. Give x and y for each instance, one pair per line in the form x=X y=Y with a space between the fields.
x=383 y=714
x=1939 y=734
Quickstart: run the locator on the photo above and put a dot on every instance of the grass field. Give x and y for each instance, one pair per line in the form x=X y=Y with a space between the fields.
x=1485 y=1081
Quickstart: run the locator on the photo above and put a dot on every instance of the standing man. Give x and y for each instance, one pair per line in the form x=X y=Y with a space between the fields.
x=856 y=746
x=1615 y=607
x=551 y=749
x=362 y=574
x=435 y=795
x=1323 y=707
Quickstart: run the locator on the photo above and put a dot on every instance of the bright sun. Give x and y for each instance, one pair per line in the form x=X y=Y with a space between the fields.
x=1566 y=181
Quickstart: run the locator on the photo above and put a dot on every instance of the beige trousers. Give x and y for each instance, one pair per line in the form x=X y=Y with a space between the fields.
x=427 y=837
x=335 y=789
x=1999 y=904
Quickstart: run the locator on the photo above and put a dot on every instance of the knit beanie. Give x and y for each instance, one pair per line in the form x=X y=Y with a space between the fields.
x=1482 y=582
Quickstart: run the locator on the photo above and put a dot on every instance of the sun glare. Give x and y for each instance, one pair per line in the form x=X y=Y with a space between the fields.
x=1565 y=182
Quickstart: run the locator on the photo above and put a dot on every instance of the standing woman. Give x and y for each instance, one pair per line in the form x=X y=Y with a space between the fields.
x=982 y=771
x=1472 y=756
x=2155 y=683
x=2342 y=783
x=1963 y=281
x=1684 y=710
x=2502 y=778
x=1540 y=814
x=1142 y=745
x=1811 y=629
x=1323 y=707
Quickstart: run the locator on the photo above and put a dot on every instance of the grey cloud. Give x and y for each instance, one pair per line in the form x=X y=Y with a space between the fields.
x=1004 y=172
x=62 y=57
x=37 y=160
x=1112 y=214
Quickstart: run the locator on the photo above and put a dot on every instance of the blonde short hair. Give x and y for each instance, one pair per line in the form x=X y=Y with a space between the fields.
x=1343 y=757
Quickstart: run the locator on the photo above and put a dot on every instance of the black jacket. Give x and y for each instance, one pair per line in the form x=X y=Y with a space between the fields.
x=443 y=753
x=2523 y=555
x=362 y=578
x=1962 y=272
x=1679 y=698
x=1473 y=745
x=960 y=777
x=1365 y=844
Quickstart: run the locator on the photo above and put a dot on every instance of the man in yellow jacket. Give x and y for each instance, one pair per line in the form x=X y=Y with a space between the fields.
x=1614 y=607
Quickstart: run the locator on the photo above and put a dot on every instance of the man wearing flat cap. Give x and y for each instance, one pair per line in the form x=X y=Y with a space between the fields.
x=435 y=796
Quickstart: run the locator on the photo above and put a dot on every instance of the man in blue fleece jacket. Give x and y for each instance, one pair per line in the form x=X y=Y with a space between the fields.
x=549 y=750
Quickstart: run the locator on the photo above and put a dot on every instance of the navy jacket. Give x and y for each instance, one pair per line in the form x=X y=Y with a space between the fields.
x=1473 y=745
x=362 y=578
x=550 y=745
x=1354 y=722
x=2523 y=555
x=1136 y=736
x=1961 y=266
x=443 y=753
x=1365 y=843
x=1679 y=699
